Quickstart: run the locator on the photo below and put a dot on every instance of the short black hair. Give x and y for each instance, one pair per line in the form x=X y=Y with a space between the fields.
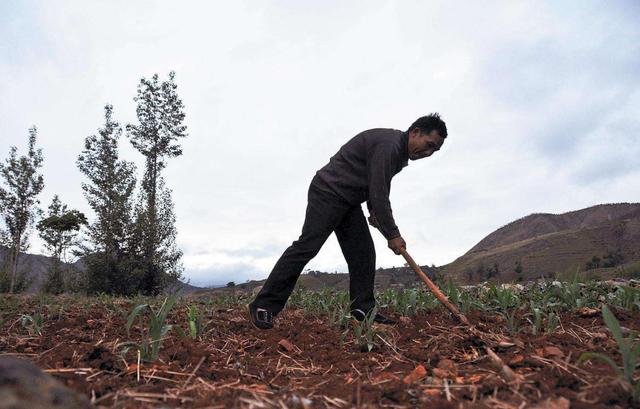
x=428 y=123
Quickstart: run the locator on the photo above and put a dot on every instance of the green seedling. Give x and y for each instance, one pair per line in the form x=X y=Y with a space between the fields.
x=227 y=301
x=627 y=297
x=569 y=293
x=538 y=316
x=502 y=299
x=513 y=324
x=312 y=302
x=338 y=317
x=195 y=322
x=336 y=309
x=408 y=302
x=629 y=350
x=404 y=302
x=452 y=291
x=553 y=321
x=364 y=331
x=32 y=323
x=154 y=333
x=536 y=323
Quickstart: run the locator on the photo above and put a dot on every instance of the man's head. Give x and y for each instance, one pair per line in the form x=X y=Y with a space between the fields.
x=426 y=136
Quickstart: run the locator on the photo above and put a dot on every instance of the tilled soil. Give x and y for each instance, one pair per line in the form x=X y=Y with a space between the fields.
x=424 y=361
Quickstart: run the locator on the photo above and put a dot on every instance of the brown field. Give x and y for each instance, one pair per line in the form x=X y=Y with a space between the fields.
x=233 y=365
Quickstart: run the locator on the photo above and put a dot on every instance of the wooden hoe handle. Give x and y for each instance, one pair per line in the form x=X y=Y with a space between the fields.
x=434 y=289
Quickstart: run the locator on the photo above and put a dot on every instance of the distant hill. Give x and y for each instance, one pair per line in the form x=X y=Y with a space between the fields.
x=545 y=244
x=394 y=277
x=36 y=267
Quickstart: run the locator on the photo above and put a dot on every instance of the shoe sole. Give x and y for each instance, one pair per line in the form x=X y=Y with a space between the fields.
x=253 y=323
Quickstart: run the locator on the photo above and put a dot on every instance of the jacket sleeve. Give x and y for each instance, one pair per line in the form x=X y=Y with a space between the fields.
x=380 y=171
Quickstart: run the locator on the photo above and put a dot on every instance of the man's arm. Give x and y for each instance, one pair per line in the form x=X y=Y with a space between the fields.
x=380 y=170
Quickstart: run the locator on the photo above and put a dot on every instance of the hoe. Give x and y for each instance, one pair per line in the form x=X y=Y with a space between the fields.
x=505 y=371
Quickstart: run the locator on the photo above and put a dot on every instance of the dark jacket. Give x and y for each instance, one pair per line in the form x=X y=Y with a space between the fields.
x=362 y=170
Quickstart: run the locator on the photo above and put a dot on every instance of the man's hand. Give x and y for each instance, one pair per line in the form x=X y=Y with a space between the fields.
x=396 y=244
x=373 y=221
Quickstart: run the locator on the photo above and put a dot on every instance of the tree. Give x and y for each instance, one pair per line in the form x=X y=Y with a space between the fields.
x=164 y=268
x=593 y=263
x=108 y=192
x=60 y=229
x=160 y=116
x=59 y=232
x=612 y=259
x=19 y=200
x=518 y=270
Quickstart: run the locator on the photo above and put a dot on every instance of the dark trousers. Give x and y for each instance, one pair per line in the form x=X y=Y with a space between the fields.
x=326 y=213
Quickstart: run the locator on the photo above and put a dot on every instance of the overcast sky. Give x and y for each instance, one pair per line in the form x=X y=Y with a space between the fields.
x=542 y=103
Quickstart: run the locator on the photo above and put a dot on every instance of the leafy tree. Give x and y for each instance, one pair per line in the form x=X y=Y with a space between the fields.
x=487 y=273
x=163 y=267
x=160 y=115
x=231 y=284
x=111 y=182
x=19 y=200
x=60 y=229
x=593 y=263
x=518 y=270
x=59 y=232
x=612 y=259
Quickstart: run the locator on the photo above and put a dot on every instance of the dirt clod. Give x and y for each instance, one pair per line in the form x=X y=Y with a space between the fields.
x=286 y=345
x=418 y=373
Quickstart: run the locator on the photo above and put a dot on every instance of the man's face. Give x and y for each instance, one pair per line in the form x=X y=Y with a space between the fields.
x=423 y=145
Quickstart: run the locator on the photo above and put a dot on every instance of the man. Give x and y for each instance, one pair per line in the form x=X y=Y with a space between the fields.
x=360 y=171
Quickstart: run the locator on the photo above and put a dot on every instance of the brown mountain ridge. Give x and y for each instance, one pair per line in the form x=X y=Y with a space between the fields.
x=545 y=244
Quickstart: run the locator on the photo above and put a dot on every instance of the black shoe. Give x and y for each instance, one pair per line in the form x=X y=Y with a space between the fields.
x=261 y=317
x=379 y=318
